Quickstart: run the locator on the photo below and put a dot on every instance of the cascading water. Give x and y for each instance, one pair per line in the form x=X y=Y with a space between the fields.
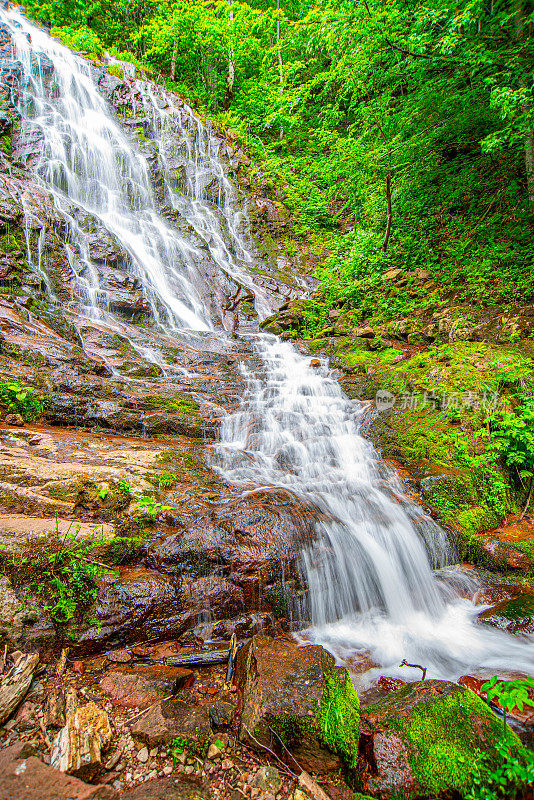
x=373 y=585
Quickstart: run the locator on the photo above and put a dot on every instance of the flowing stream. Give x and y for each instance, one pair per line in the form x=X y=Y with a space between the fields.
x=379 y=574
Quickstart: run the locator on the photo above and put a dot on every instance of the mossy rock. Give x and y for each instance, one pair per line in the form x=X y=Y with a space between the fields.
x=423 y=740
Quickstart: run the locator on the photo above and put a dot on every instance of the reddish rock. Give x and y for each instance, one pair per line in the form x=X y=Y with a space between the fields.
x=141 y=685
x=515 y=616
x=390 y=684
x=276 y=678
x=179 y=788
x=501 y=556
x=25 y=777
x=119 y=656
x=500 y=592
x=256 y=538
x=315 y=363
x=79 y=667
x=244 y=627
x=395 y=758
x=525 y=717
x=28 y=715
x=171 y=718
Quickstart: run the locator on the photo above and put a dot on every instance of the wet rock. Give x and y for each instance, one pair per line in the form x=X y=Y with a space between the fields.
x=500 y=556
x=180 y=788
x=257 y=539
x=28 y=715
x=422 y=740
x=12 y=613
x=15 y=420
x=138 y=686
x=136 y=605
x=221 y=714
x=243 y=627
x=25 y=777
x=172 y=718
x=515 y=616
x=525 y=717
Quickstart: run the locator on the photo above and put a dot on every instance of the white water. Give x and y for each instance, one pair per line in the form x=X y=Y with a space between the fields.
x=371 y=574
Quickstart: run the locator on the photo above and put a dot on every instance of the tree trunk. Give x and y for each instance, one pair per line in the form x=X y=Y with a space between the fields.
x=173 y=60
x=390 y=212
x=280 y=63
x=229 y=93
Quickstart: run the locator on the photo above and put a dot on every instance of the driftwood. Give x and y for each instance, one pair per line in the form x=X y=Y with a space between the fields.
x=231 y=658
x=197 y=659
x=16 y=682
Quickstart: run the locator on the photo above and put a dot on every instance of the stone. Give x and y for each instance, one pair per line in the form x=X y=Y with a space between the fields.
x=221 y=714
x=364 y=332
x=77 y=748
x=315 y=363
x=391 y=274
x=171 y=718
x=14 y=419
x=142 y=755
x=180 y=788
x=500 y=556
x=11 y=611
x=515 y=616
x=267 y=779
x=28 y=715
x=422 y=740
x=141 y=685
x=25 y=777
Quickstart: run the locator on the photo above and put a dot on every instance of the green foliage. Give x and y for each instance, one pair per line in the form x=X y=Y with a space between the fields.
x=150 y=507
x=20 y=399
x=339 y=716
x=510 y=694
x=166 y=480
x=514 y=439
x=68 y=575
x=197 y=747
x=509 y=779
x=81 y=39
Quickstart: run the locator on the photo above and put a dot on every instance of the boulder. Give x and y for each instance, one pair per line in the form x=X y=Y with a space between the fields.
x=25 y=777
x=515 y=615
x=281 y=690
x=170 y=719
x=143 y=684
x=422 y=740
x=500 y=556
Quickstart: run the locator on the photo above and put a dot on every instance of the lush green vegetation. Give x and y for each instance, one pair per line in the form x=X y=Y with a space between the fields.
x=397 y=135
x=19 y=399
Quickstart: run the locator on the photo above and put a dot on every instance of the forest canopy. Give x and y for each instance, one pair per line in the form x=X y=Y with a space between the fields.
x=396 y=133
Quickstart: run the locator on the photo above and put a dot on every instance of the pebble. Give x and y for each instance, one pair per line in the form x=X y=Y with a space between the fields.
x=153 y=752
x=142 y=755
x=189 y=770
x=167 y=770
x=227 y=764
x=152 y=774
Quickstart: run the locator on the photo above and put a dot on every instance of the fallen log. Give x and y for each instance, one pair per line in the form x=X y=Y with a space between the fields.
x=15 y=682
x=206 y=659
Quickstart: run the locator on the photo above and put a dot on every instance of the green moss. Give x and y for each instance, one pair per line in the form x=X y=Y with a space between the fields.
x=442 y=736
x=116 y=70
x=177 y=404
x=339 y=716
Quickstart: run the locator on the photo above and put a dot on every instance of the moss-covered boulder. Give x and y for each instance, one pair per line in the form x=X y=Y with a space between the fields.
x=423 y=740
x=294 y=698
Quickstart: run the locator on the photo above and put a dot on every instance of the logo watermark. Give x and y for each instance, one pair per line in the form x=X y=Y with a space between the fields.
x=417 y=401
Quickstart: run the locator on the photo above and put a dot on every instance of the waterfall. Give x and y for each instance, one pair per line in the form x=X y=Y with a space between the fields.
x=376 y=576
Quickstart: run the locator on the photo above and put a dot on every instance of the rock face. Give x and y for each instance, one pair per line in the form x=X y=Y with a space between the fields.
x=25 y=777
x=422 y=740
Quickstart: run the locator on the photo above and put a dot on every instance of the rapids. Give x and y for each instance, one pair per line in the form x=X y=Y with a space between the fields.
x=380 y=575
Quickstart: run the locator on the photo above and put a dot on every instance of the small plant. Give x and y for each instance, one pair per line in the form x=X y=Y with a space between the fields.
x=510 y=694
x=20 y=399
x=166 y=480
x=150 y=506
x=510 y=779
x=197 y=747
x=124 y=487
x=68 y=575
x=103 y=491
